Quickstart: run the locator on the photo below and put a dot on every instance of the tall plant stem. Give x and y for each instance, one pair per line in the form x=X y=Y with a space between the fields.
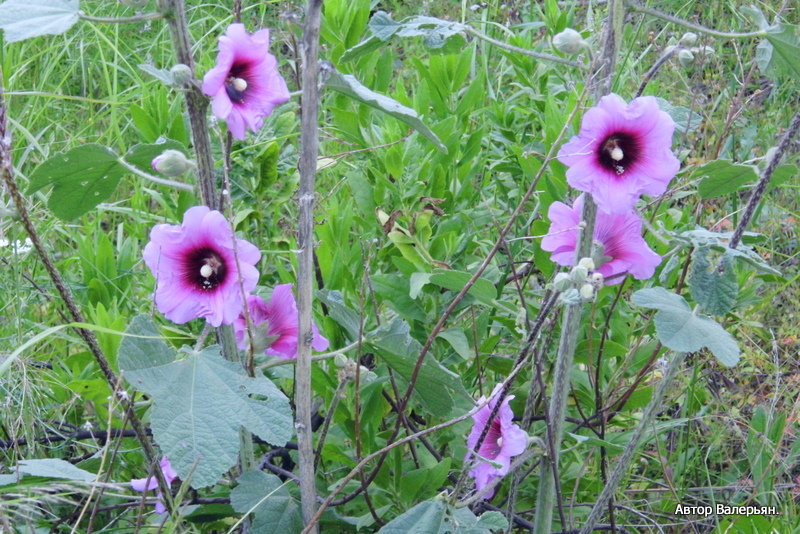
x=599 y=84
x=7 y=172
x=627 y=455
x=196 y=102
x=761 y=187
x=309 y=147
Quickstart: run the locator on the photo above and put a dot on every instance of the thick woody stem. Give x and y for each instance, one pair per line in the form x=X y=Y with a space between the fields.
x=599 y=84
x=309 y=147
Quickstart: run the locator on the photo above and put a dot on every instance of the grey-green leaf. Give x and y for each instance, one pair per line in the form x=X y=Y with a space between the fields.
x=274 y=510
x=23 y=19
x=200 y=402
x=81 y=178
x=348 y=85
x=785 y=49
x=55 y=468
x=681 y=330
x=714 y=289
x=722 y=177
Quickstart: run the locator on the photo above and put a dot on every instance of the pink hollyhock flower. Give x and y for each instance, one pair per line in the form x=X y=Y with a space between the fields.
x=275 y=324
x=245 y=83
x=150 y=483
x=622 y=151
x=195 y=268
x=503 y=441
x=620 y=235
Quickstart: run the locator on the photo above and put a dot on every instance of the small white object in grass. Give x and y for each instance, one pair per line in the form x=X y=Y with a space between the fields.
x=569 y=42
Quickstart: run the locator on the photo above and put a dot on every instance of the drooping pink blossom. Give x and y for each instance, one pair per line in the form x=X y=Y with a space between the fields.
x=277 y=321
x=244 y=84
x=150 y=483
x=195 y=268
x=503 y=441
x=620 y=235
x=621 y=152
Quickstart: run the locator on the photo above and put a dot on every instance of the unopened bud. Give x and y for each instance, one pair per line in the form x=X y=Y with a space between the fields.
x=171 y=163
x=688 y=39
x=561 y=281
x=587 y=263
x=579 y=273
x=587 y=291
x=340 y=360
x=569 y=42
x=706 y=51
x=181 y=74
x=686 y=58
x=597 y=280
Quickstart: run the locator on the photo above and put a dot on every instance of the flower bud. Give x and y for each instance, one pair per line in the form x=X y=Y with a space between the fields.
x=340 y=360
x=587 y=263
x=706 y=51
x=181 y=74
x=688 y=39
x=597 y=280
x=569 y=42
x=587 y=291
x=171 y=163
x=579 y=273
x=686 y=58
x=561 y=281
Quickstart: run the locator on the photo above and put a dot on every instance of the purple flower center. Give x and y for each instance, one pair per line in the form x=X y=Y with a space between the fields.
x=619 y=152
x=236 y=85
x=205 y=269
x=493 y=443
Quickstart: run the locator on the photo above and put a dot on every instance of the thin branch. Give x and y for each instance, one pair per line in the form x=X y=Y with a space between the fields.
x=120 y=20
x=147 y=176
x=309 y=149
x=519 y=50
x=634 y=6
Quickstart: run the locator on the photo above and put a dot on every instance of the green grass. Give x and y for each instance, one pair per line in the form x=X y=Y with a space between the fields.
x=498 y=114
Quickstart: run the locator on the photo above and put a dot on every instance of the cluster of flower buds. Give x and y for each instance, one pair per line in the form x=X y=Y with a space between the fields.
x=580 y=284
x=347 y=370
x=687 y=51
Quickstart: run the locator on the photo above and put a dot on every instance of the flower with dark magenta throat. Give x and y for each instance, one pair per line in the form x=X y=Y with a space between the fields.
x=244 y=84
x=503 y=441
x=150 y=483
x=621 y=152
x=624 y=249
x=195 y=268
x=275 y=325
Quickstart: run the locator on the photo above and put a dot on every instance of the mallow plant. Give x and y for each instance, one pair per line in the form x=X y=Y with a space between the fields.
x=366 y=282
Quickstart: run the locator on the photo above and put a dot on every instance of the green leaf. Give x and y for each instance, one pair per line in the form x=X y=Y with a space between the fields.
x=340 y=312
x=686 y=120
x=23 y=19
x=458 y=340
x=142 y=155
x=714 y=289
x=275 y=511
x=682 y=331
x=55 y=468
x=434 y=516
x=723 y=177
x=425 y=518
x=200 y=402
x=81 y=178
x=436 y=32
x=350 y=86
x=383 y=26
x=435 y=384
x=779 y=52
x=483 y=290
x=700 y=237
